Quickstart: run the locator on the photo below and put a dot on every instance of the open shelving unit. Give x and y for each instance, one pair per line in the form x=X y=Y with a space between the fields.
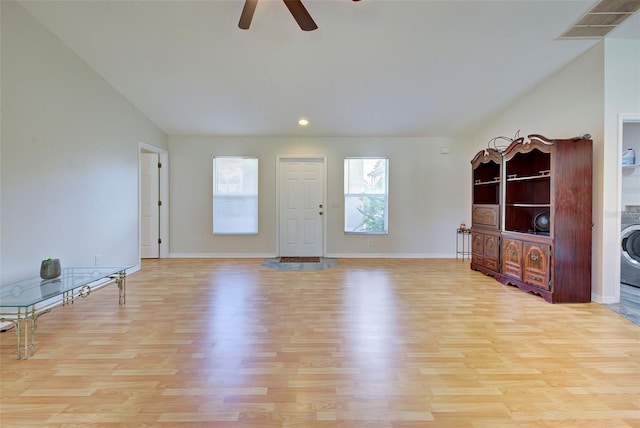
x=528 y=186
x=486 y=214
x=544 y=179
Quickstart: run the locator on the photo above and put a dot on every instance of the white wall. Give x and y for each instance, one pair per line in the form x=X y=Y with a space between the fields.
x=69 y=165
x=429 y=194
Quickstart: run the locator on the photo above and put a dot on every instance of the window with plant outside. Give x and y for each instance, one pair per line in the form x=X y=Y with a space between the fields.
x=366 y=183
x=235 y=195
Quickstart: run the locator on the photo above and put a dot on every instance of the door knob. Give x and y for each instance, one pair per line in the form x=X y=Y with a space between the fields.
x=320 y=206
x=320 y=213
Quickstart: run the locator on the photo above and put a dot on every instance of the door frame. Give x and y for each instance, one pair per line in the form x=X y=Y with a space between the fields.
x=163 y=156
x=622 y=119
x=323 y=158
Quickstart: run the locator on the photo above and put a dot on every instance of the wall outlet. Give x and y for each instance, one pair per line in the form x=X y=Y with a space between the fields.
x=98 y=260
x=198 y=240
x=370 y=241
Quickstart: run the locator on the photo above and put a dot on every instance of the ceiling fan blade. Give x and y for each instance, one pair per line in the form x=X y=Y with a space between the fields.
x=247 y=14
x=302 y=17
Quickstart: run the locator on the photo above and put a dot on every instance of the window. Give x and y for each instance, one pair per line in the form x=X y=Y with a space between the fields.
x=366 y=197
x=235 y=195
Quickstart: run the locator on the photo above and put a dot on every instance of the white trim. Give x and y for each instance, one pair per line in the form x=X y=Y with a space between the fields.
x=324 y=197
x=336 y=255
x=150 y=148
x=395 y=256
x=164 y=197
x=597 y=298
x=386 y=196
x=221 y=255
x=239 y=194
x=622 y=119
x=164 y=209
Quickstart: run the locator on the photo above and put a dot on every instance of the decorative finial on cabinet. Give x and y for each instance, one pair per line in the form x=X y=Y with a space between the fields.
x=502 y=147
x=540 y=138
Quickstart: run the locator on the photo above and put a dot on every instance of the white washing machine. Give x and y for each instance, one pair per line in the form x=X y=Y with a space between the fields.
x=630 y=257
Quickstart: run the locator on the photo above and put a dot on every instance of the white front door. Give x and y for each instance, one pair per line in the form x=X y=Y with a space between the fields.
x=301 y=206
x=149 y=209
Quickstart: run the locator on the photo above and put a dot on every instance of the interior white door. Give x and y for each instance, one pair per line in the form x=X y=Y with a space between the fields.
x=149 y=209
x=301 y=207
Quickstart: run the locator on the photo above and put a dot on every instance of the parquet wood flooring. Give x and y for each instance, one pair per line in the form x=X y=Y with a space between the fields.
x=370 y=343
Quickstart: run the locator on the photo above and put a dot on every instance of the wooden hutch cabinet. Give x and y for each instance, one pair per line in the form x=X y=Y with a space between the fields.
x=485 y=216
x=546 y=227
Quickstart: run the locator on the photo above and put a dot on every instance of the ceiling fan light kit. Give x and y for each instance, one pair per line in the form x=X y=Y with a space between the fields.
x=297 y=9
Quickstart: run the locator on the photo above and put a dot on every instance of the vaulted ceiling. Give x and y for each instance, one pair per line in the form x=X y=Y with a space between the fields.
x=372 y=68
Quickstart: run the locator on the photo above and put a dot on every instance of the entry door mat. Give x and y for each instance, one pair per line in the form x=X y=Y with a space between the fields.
x=299 y=259
x=300 y=263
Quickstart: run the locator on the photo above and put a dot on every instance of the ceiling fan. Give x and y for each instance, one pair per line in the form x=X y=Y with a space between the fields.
x=297 y=9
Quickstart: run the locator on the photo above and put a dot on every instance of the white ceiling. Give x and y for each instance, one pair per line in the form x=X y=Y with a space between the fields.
x=373 y=68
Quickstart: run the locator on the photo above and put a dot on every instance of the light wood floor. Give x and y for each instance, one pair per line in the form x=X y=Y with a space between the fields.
x=371 y=343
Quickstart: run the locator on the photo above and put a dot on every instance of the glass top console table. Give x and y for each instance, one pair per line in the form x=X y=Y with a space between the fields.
x=22 y=302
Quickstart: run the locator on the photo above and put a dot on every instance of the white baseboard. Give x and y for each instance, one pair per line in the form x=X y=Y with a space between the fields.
x=605 y=300
x=392 y=256
x=335 y=255
x=221 y=255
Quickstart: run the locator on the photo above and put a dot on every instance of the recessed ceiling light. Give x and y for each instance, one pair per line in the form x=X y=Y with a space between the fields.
x=303 y=122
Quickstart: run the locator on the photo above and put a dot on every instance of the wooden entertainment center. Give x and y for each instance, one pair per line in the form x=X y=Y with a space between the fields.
x=531 y=220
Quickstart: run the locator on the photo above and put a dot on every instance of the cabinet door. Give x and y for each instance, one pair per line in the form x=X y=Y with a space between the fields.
x=536 y=264
x=491 y=252
x=512 y=258
x=477 y=248
x=485 y=216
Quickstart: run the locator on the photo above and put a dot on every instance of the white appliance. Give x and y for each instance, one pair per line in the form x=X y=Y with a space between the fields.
x=630 y=257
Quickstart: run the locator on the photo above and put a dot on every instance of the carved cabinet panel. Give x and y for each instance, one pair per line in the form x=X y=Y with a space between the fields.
x=492 y=252
x=536 y=264
x=485 y=250
x=477 y=248
x=487 y=216
x=512 y=258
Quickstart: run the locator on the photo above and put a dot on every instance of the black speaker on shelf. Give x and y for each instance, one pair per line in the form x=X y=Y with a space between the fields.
x=541 y=223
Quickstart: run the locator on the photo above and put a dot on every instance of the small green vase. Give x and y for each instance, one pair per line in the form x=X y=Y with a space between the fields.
x=50 y=269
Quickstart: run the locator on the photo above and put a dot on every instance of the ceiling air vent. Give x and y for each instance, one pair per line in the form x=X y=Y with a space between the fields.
x=601 y=18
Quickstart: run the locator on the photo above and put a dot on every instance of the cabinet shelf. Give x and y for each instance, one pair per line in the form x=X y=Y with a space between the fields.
x=530 y=205
x=486 y=187
x=482 y=183
x=528 y=178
